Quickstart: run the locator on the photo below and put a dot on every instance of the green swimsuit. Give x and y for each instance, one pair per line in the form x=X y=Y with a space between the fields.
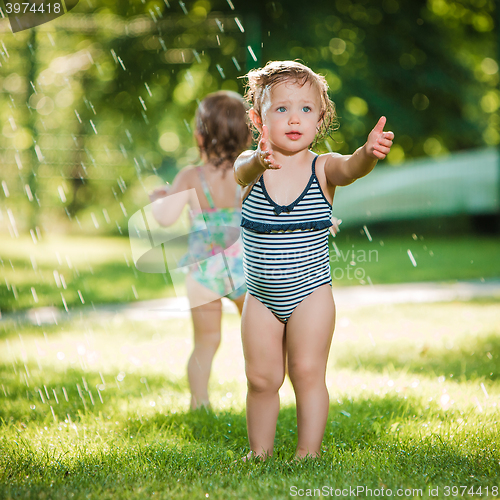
x=215 y=247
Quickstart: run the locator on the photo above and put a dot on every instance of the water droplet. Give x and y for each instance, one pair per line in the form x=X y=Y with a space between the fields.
x=160 y=15
x=3 y=45
x=57 y=279
x=12 y=123
x=12 y=222
x=94 y=220
x=183 y=7
x=5 y=189
x=485 y=391
x=252 y=53
x=18 y=161
x=220 y=25
x=413 y=261
x=337 y=251
x=122 y=206
x=143 y=103
x=93 y=126
x=106 y=216
x=221 y=71
x=61 y=194
x=64 y=302
x=240 y=26
x=197 y=56
x=368 y=235
x=238 y=67
x=39 y=154
x=230 y=4
x=29 y=194
x=148 y=89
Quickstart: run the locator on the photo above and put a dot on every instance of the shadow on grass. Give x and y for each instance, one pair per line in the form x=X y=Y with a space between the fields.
x=476 y=358
x=351 y=425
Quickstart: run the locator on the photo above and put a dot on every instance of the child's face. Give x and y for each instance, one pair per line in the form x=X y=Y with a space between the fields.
x=291 y=112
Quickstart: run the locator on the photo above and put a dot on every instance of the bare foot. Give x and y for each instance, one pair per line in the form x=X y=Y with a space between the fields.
x=251 y=456
x=197 y=404
x=309 y=456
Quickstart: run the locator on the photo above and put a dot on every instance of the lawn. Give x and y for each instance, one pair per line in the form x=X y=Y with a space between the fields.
x=98 y=409
x=67 y=271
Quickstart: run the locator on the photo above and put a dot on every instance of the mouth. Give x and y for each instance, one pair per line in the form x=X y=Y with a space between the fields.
x=294 y=135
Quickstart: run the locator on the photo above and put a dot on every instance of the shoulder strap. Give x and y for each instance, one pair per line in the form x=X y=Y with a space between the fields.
x=206 y=189
x=314 y=165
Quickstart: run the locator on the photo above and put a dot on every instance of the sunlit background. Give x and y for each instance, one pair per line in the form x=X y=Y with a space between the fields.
x=96 y=102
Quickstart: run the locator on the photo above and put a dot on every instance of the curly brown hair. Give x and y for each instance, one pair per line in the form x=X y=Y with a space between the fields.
x=222 y=123
x=275 y=72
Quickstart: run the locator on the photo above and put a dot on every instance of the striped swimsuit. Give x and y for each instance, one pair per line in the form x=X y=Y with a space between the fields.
x=285 y=247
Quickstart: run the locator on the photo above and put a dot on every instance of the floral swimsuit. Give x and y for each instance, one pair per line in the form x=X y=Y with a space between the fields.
x=215 y=255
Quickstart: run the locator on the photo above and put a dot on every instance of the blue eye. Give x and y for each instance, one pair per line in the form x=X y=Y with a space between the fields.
x=306 y=109
x=281 y=109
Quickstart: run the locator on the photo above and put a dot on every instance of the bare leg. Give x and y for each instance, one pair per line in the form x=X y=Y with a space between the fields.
x=207 y=335
x=263 y=347
x=309 y=335
x=240 y=301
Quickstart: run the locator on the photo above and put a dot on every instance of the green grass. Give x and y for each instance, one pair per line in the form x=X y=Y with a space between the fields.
x=386 y=259
x=102 y=270
x=414 y=390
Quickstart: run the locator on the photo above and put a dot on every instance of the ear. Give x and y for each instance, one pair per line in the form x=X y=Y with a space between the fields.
x=256 y=119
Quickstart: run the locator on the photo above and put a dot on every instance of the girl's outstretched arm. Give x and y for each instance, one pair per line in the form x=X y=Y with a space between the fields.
x=250 y=165
x=343 y=170
x=166 y=209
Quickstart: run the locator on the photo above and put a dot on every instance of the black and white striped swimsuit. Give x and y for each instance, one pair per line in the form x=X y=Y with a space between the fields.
x=285 y=247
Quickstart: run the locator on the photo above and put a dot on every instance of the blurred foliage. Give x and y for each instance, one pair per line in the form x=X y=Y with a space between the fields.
x=97 y=102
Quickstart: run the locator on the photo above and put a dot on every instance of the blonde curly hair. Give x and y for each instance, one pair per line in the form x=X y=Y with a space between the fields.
x=275 y=72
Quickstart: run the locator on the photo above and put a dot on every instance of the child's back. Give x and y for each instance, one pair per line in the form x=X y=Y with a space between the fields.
x=214 y=255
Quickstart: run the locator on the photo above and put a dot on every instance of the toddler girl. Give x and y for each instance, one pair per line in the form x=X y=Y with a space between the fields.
x=289 y=314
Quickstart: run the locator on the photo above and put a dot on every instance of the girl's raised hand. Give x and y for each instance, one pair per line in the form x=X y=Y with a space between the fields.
x=264 y=151
x=379 y=142
x=158 y=193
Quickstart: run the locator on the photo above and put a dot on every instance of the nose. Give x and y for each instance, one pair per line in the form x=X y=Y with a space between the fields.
x=294 y=118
